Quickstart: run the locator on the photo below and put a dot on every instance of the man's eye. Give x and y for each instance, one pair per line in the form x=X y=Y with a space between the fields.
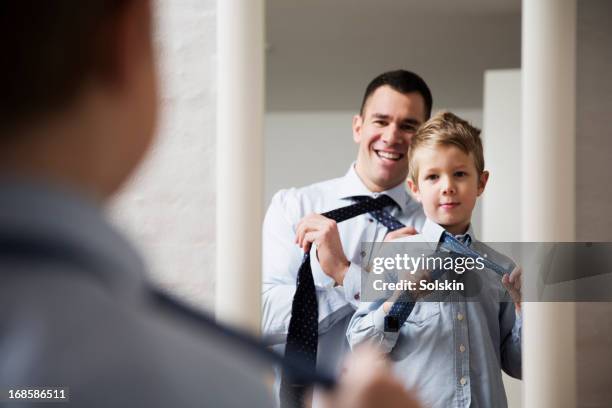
x=408 y=128
x=380 y=122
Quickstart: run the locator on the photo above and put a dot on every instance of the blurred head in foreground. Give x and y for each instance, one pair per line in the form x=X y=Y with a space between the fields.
x=79 y=91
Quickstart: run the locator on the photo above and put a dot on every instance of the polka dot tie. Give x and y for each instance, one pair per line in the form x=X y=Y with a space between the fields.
x=458 y=245
x=302 y=335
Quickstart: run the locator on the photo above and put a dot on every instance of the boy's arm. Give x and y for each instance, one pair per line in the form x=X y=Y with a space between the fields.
x=511 y=331
x=368 y=326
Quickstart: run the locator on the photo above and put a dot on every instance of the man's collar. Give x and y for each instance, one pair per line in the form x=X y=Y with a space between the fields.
x=57 y=219
x=351 y=185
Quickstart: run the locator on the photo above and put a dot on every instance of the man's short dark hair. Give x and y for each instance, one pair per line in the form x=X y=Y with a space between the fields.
x=401 y=81
x=49 y=49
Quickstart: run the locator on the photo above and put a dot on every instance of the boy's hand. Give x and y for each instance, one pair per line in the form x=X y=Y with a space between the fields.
x=512 y=282
x=368 y=382
x=400 y=233
x=416 y=293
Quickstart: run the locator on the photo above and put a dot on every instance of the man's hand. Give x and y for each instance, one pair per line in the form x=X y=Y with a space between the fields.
x=512 y=282
x=399 y=233
x=368 y=382
x=324 y=233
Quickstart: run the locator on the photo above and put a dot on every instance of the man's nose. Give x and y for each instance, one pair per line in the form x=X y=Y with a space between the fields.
x=392 y=135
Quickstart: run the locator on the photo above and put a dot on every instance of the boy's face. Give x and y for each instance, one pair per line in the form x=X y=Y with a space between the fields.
x=447 y=186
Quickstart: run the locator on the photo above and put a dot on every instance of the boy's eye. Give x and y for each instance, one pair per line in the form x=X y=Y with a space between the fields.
x=460 y=174
x=431 y=177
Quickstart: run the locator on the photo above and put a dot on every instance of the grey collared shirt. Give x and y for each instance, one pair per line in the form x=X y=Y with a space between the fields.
x=76 y=312
x=450 y=352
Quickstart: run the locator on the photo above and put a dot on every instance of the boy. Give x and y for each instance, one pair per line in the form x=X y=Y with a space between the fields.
x=451 y=352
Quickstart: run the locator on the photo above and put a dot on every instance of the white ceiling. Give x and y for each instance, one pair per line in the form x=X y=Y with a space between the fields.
x=322 y=53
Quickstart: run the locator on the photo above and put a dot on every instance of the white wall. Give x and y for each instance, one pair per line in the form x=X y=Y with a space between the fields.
x=168 y=207
x=502 y=149
x=501 y=206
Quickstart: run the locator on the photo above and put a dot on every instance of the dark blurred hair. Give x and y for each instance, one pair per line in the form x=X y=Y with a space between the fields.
x=49 y=48
x=402 y=81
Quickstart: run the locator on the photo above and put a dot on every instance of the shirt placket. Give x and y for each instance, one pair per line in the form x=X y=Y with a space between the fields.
x=461 y=350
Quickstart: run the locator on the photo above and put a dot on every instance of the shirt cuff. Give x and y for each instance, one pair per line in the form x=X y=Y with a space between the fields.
x=352 y=284
x=378 y=318
x=518 y=324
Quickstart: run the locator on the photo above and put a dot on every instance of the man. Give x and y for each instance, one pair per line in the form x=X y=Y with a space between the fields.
x=76 y=116
x=394 y=105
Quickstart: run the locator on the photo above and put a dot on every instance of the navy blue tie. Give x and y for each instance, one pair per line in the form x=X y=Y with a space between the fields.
x=302 y=334
x=460 y=245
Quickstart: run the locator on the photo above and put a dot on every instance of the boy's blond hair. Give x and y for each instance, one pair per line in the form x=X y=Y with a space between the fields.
x=446 y=129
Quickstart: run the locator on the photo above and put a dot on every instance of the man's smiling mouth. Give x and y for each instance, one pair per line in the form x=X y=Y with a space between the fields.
x=394 y=156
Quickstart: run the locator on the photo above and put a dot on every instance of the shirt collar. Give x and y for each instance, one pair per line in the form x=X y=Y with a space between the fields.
x=432 y=232
x=351 y=185
x=55 y=220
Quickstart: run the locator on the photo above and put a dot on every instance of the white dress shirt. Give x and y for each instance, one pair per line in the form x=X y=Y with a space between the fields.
x=282 y=258
x=451 y=352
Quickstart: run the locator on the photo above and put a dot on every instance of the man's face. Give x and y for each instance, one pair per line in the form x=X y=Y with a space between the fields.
x=447 y=186
x=383 y=133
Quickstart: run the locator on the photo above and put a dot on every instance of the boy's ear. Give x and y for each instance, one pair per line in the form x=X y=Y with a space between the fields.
x=357 y=124
x=414 y=188
x=482 y=181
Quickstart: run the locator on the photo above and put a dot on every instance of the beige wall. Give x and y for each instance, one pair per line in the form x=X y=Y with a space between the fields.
x=594 y=190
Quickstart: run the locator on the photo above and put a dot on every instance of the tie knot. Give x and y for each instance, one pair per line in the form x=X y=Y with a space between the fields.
x=464 y=239
x=455 y=242
x=382 y=200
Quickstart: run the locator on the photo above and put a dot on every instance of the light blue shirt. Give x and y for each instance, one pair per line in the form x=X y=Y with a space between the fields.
x=282 y=258
x=451 y=353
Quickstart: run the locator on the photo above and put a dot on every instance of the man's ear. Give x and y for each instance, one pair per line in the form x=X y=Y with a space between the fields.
x=357 y=125
x=482 y=181
x=414 y=189
x=128 y=40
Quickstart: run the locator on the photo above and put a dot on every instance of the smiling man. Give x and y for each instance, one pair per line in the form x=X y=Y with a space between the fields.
x=394 y=105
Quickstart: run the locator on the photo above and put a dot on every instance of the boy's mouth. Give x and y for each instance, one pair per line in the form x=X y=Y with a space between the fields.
x=449 y=206
x=391 y=156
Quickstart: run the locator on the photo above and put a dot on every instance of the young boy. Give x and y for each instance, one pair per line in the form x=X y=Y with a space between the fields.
x=450 y=352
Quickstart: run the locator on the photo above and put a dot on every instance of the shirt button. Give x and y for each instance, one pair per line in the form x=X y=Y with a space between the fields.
x=459 y=316
x=371 y=220
x=462 y=348
x=356 y=296
x=463 y=381
x=363 y=253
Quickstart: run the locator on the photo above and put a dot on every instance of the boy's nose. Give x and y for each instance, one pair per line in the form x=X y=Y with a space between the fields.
x=448 y=187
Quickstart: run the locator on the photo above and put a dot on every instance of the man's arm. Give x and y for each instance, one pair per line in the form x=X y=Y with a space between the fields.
x=281 y=260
